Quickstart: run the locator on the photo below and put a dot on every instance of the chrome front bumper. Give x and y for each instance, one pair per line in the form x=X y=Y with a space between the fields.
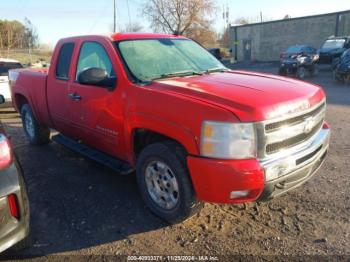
x=292 y=168
x=13 y=230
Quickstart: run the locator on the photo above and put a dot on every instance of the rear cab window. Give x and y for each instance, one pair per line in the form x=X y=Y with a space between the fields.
x=64 y=61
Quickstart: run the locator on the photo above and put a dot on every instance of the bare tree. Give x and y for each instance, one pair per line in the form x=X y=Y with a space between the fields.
x=202 y=34
x=31 y=35
x=14 y=34
x=178 y=16
x=242 y=21
x=133 y=27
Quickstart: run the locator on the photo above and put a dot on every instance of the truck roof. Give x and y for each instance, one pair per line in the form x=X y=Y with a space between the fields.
x=125 y=36
x=129 y=36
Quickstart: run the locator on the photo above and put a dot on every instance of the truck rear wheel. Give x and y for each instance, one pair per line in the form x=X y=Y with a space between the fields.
x=164 y=182
x=36 y=134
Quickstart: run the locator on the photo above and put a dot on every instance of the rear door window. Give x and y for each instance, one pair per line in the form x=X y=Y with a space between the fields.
x=64 y=61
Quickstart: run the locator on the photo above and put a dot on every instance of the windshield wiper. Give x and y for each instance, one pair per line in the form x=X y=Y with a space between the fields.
x=214 y=70
x=181 y=73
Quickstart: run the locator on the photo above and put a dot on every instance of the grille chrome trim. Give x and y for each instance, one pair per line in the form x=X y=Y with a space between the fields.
x=270 y=127
x=293 y=141
x=291 y=132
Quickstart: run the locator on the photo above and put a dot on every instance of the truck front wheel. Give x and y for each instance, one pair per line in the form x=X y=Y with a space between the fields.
x=164 y=182
x=36 y=134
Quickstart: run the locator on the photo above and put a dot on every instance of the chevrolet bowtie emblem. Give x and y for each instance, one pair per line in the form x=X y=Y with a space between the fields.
x=309 y=124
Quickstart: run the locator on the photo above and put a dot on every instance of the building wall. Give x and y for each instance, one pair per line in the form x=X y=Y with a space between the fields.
x=269 y=39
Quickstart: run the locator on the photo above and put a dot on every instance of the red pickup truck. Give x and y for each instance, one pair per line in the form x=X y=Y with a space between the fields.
x=162 y=106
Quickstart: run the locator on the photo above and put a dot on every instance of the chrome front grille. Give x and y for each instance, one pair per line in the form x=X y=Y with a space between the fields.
x=294 y=120
x=282 y=134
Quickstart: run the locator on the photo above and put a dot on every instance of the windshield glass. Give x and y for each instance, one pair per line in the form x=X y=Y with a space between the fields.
x=150 y=59
x=295 y=49
x=334 y=43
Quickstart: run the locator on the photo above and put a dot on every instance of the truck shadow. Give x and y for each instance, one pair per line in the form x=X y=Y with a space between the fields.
x=76 y=203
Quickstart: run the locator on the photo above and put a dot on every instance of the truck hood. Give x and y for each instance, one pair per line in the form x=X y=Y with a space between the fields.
x=250 y=96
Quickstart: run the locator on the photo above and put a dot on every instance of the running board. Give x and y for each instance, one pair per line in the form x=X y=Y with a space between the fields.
x=120 y=166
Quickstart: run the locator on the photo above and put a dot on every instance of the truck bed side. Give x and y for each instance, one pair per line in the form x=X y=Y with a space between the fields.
x=29 y=86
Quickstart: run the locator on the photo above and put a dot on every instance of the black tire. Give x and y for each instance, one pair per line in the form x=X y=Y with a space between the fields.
x=338 y=77
x=301 y=72
x=173 y=155
x=282 y=72
x=314 y=70
x=39 y=135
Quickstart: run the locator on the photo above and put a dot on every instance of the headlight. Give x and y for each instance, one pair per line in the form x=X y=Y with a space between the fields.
x=228 y=140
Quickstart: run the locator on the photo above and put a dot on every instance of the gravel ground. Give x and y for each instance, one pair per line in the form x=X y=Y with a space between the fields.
x=79 y=207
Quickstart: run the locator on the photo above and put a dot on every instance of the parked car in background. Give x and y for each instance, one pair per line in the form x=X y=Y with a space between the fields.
x=14 y=205
x=341 y=70
x=333 y=48
x=299 y=61
x=5 y=66
x=215 y=52
x=162 y=106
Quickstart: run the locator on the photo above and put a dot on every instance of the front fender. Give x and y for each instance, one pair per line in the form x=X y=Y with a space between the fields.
x=181 y=134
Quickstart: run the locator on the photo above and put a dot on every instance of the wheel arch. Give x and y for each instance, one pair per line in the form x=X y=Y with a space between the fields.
x=152 y=131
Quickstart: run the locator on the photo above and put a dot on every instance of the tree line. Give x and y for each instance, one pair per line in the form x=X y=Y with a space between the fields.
x=17 y=35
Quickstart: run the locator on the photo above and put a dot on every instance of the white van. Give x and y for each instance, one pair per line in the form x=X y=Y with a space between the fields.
x=5 y=65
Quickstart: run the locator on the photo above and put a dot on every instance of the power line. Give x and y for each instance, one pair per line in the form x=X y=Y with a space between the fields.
x=127 y=3
x=114 y=17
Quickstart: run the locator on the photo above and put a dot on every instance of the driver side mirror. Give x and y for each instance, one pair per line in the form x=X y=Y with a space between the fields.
x=97 y=77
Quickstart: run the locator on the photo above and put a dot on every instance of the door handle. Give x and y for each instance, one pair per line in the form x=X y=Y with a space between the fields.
x=74 y=96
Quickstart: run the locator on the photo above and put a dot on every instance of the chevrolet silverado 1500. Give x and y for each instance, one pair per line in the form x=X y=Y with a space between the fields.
x=162 y=106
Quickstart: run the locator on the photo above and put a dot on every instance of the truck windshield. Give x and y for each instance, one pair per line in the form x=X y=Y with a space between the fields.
x=150 y=59
x=334 y=43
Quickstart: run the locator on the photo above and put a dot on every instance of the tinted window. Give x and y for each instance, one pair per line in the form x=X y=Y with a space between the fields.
x=295 y=49
x=6 y=66
x=64 y=60
x=93 y=54
x=310 y=50
x=334 y=43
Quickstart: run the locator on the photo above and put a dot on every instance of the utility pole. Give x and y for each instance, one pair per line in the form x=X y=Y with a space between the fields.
x=261 y=17
x=114 y=17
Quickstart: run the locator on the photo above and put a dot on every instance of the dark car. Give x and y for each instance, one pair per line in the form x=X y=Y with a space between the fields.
x=333 y=48
x=298 y=60
x=14 y=207
x=341 y=70
x=215 y=52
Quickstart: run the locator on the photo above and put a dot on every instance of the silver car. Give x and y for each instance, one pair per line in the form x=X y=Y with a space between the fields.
x=14 y=207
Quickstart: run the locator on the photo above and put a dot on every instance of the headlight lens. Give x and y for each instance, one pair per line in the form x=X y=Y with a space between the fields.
x=228 y=140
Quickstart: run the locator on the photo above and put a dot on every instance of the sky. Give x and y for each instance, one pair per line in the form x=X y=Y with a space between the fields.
x=56 y=19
